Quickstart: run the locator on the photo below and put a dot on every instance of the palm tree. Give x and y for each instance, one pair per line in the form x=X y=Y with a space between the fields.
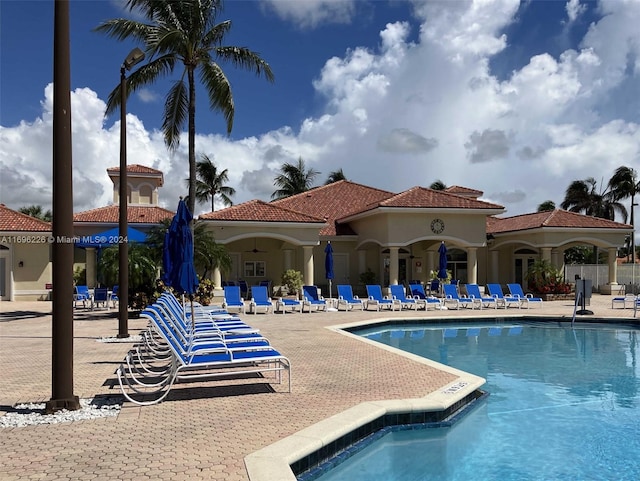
x=582 y=196
x=438 y=185
x=293 y=179
x=625 y=184
x=207 y=253
x=335 y=176
x=546 y=206
x=183 y=33
x=37 y=212
x=210 y=183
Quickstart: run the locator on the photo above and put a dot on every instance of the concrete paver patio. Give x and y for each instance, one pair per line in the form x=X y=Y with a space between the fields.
x=204 y=430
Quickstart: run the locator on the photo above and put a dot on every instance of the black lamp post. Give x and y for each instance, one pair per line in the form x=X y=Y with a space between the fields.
x=134 y=57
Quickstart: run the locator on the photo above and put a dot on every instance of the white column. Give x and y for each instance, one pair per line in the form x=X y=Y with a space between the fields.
x=546 y=254
x=472 y=265
x=217 y=278
x=393 y=265
x=613 y=266
x=91 y=272
x=307 y=275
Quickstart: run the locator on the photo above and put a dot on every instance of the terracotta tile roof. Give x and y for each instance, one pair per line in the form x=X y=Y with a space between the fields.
x=260 y=211
x=341 y=200
x=466 y=191
x=334 y=201
x=553 y=218
x=137 y=169
x=135 y=215
x=14 y=221
x=421 y=197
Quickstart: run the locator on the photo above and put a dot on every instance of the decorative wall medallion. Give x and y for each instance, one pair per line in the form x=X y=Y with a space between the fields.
x=437 y=226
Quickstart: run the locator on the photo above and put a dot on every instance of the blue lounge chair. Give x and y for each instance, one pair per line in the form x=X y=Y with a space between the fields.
x=417 y=291
x=203 y=319
x=284 y=303
x=260 y=299
x=114 y=296
x=233 y=299
x=244 y=289
x=473 y=291
x=434 y=287
x=525 y=299
x=311 y=298
x=397 y=293
x=377 y=300
x=495 y=291
x=188 y=362
x=100 y=297
x=202 y=333
x=81 y=295
x=347 y=299
x=451 y=296
x=629 y=299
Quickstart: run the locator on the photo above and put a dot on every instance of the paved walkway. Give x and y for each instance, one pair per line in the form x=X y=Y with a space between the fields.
x=202 y=431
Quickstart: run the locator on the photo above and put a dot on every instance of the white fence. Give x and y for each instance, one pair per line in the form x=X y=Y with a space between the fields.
x=628 y=274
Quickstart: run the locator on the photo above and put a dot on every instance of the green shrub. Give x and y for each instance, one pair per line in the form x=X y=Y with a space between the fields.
x=292 y=279
x=368 y=277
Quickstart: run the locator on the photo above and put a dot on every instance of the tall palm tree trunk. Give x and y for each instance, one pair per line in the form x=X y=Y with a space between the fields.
x=192 y=140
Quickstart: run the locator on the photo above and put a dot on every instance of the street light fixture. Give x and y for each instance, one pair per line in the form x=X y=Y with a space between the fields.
x=135 y=56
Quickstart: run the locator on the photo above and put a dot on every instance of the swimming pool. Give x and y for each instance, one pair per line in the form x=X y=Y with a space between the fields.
x=563 y=404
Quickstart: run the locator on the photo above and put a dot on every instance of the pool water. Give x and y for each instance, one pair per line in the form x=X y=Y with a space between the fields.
x=563 y=405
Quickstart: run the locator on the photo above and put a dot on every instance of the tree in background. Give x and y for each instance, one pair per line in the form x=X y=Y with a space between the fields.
x=207 y=253
x=583 y=196
x=546 y=206
x=624 y=184
x=211 y=183
x=293 y=179
x=183 y=33
x=335 y=176
x=38 y=212
x=438 y=185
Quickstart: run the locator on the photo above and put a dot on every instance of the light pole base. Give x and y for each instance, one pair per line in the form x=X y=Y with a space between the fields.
x=54 y=405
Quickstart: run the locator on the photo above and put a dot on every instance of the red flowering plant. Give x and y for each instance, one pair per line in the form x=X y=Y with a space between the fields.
x=543 y=278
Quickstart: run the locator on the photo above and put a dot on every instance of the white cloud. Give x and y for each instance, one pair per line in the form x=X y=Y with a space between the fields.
x=574 y=9
x=405 y=141
x=521 y=140
x=312 y=13
x=148 y=96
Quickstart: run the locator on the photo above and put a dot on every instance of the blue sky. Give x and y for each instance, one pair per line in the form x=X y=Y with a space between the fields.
x=516 y=99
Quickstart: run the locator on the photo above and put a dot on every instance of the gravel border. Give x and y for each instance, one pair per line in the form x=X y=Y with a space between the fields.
x=30 y=414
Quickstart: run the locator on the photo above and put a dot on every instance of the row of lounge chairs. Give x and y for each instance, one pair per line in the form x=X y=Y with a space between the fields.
x=398 y=299
x=628 y=301
x=260 y=300
x=452 y=299
x=181 y=346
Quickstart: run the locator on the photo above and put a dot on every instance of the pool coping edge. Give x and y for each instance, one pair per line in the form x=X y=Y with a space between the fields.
x=274 y=461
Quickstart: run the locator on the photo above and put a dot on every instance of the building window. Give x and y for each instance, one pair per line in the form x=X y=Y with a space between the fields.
x=254 y=269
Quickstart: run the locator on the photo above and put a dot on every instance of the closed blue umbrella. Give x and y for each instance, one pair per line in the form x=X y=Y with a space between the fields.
x=328 y=264
x=442 y=264
x=177 y=254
